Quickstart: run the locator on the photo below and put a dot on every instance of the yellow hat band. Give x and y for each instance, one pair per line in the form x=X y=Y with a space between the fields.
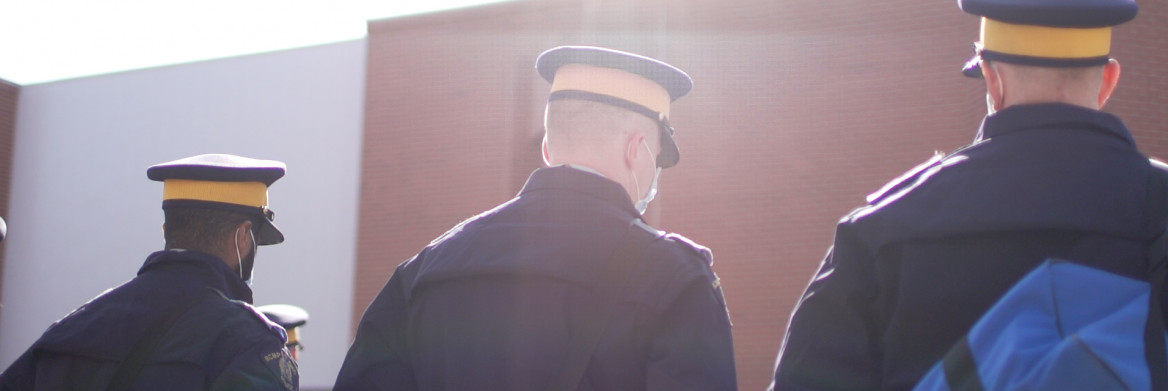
x=1045 y=42
x=612 y=82
x=239 y=193
x=293 y=336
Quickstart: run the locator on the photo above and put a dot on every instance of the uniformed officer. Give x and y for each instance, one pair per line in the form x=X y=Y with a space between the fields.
x=185 y=322
x=289 y=317
x=530 y=295
x=1048 y=175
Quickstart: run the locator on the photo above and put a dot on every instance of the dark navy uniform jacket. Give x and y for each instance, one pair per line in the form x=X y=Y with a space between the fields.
x=911 y=272
x=493 y=303
x=218 y=343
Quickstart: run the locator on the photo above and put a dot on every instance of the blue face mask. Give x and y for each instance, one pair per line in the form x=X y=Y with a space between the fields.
x=643 y=203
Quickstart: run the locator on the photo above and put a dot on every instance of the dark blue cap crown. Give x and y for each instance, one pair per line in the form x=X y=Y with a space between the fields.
x=219 y=168
x=676 y=82
x=1054 y=13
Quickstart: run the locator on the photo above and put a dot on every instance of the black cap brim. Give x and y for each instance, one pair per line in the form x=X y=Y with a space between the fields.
x=670 y=155
x=269 y=234
x=972 y=67
x=264 y=217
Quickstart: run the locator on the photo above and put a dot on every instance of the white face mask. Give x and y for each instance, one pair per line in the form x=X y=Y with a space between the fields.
x=643 y=203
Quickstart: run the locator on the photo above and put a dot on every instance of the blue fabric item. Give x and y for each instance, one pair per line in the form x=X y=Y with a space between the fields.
x=911 y=272
x=1064 y=326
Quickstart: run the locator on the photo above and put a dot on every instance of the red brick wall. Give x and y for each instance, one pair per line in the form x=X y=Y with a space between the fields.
x=1141 y=99
x=799 y=110
x=9 y=95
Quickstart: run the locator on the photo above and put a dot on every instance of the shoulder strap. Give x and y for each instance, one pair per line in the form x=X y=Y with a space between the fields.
x=615 y=278
x=1157 y=271
x=128 y=371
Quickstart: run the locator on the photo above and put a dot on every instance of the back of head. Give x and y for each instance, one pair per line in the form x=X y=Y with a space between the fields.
x=1033 y=84
x=1047 y=50
x=583 y=132
x=199 y=229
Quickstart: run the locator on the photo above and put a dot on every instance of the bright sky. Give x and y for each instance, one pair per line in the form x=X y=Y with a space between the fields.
x=48 y=40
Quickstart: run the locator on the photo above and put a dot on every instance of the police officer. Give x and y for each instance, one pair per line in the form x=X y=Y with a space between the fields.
x=1048 y=175
x=185 y=322
x=291 y=318
x=527 y=296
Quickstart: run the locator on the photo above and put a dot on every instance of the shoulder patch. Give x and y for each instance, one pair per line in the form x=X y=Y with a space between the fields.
x=282 y=364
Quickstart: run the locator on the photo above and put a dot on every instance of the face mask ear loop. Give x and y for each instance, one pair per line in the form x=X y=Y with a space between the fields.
x=636 y=184
x=251 y=271
x=652 y=192
x=238 y=256
x=642 y=204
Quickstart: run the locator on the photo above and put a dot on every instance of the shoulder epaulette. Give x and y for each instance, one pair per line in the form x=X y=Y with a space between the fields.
x=688 y=244
x=900 y=181
x=1157 y=164
x=256 y=315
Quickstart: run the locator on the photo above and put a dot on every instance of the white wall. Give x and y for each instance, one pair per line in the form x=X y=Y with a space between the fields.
x=84 y=216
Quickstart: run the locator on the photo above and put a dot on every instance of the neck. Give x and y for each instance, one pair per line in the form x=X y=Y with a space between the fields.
x=1076 y=100
x=611 y=172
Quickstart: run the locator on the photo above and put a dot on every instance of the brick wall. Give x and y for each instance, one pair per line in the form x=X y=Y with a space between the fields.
x=799 y=110
x=9 y=95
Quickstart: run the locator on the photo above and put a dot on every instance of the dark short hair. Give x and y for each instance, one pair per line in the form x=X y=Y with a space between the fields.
x=200 y=229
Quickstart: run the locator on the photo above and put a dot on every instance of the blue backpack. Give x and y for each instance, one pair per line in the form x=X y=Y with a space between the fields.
x=1066 y=326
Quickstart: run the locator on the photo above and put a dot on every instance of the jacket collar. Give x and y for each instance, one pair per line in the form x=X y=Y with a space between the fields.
x=206 y=268
x=581 y=181
x=1051 y=115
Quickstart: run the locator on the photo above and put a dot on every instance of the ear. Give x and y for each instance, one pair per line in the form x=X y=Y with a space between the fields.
x=547 y=160
x=1110 y=80
x=242 y=237
x=633 y=148
x=993 y=84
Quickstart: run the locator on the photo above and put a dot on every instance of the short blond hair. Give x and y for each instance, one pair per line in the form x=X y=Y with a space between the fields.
x=573 y=124
x=1062 y=81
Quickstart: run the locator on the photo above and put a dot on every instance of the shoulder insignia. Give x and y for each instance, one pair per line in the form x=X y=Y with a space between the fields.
x=283 y=364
